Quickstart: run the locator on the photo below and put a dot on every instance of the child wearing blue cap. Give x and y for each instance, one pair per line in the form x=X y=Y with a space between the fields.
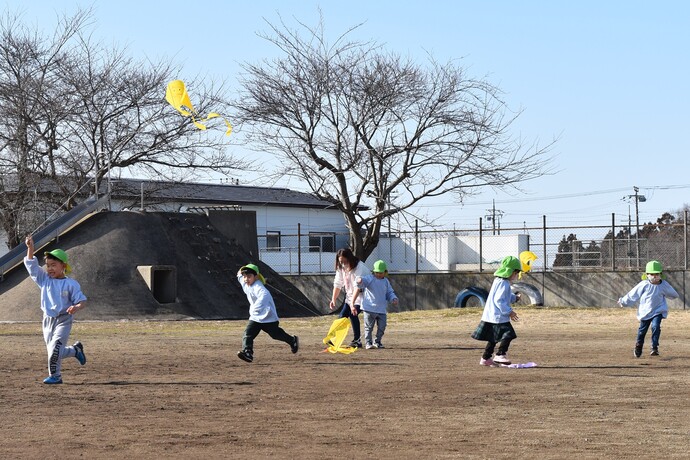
x=651 y=293
x=495 y=327
x=377 y=292
x=61 y=298
x=262 y=313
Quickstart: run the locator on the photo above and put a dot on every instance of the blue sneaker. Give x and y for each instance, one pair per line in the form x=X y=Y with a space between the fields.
x=53 y=380
x=81 y=357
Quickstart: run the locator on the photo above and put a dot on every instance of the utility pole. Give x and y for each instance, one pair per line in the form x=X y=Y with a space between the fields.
x=495 y=217
x=638 y=198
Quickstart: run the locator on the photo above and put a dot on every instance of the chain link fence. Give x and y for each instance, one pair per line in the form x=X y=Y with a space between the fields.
x=614 y=247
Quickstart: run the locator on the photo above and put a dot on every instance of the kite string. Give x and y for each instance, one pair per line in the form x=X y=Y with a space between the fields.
x=59 y=208
x=300 y=304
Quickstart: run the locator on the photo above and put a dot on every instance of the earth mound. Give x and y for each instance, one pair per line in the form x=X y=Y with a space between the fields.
x=110 y=253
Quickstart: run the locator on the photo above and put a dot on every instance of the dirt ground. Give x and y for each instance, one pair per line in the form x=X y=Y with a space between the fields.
x=178 y=390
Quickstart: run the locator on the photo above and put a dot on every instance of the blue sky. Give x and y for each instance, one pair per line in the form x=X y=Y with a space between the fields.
x=610 y=80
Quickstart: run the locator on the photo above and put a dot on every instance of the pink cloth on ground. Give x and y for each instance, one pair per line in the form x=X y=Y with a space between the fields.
x=522 y=365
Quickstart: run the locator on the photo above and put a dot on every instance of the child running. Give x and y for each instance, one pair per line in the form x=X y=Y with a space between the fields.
x=651 y=293
x=61 y=298
x=377 y=292
x=262 y=313
x=495 y=326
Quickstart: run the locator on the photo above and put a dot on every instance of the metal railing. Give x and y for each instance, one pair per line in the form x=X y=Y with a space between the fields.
x=52 y=231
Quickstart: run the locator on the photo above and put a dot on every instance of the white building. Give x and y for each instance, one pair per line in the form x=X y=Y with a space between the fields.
x=281 y=214
x=447 y=252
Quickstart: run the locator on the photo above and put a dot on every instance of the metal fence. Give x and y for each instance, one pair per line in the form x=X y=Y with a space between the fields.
x=613 y=247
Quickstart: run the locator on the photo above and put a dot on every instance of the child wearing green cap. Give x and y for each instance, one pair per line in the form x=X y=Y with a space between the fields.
x=651 y=293
x=495 y=326
x=377 y=292
x=61 y=298
x=262 y=313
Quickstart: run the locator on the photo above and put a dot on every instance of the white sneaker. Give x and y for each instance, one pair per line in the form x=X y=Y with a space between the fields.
x=501 y=359
x=368 y=346
x=486 y=362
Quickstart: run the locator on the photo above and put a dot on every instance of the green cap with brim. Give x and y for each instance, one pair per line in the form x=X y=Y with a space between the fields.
x=380 y=267
x=255 y=269
x=60 y=255
x=509 y=264
x=653 y=268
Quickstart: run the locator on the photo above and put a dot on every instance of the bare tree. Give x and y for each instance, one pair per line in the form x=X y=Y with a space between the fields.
x=30 y=114
x=72 y=110
x=121 y=120
x=376 y=134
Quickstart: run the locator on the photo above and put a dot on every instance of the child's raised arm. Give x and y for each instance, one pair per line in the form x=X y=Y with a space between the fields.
x=29 y=247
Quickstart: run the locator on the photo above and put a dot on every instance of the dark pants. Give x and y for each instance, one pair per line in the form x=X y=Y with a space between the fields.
x=354 y=320
x=655 y=322
x=502 y=348
x=273 y=329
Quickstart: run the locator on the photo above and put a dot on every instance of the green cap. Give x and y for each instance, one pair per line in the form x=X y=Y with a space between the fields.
x=380 y=267
x=653 y=266
x=255 y=269
x=509 y=264
x=60 y=255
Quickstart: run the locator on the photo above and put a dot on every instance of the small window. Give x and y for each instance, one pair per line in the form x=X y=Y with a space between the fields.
x=321 y=242
x=273 y=241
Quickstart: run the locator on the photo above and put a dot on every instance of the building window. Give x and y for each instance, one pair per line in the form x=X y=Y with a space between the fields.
x=273 y=241
x=321 y=242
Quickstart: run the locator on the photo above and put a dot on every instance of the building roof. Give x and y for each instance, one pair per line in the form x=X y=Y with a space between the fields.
x=221 y=194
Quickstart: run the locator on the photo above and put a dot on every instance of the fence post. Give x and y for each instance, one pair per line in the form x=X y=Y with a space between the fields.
x=685 y=240
x=613 y=242
x=685 y=255
x=546 y=261
x=299 y=249
x=481 y=248
x=416 y=260
x=416 y=246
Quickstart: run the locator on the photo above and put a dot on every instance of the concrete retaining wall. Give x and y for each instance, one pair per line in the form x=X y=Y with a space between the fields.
x=429 y=291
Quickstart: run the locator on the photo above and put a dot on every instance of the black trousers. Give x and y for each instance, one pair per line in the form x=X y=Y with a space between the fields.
x=503 y=346
x=273 y=329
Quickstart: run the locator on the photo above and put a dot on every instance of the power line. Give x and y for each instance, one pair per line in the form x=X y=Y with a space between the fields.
x=559 y=197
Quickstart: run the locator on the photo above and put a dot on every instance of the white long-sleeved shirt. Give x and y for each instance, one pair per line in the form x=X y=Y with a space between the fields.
x=345 y=279
x=497 y=307
x=262 y=308
x=57 y=294
x=652 y=299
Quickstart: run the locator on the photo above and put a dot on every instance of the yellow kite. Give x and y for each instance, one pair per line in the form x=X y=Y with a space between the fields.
x=336 y=336
x=526 y=259
x=176 y=95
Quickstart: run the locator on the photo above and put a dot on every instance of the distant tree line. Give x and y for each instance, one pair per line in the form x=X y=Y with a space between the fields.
x=662 y=240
